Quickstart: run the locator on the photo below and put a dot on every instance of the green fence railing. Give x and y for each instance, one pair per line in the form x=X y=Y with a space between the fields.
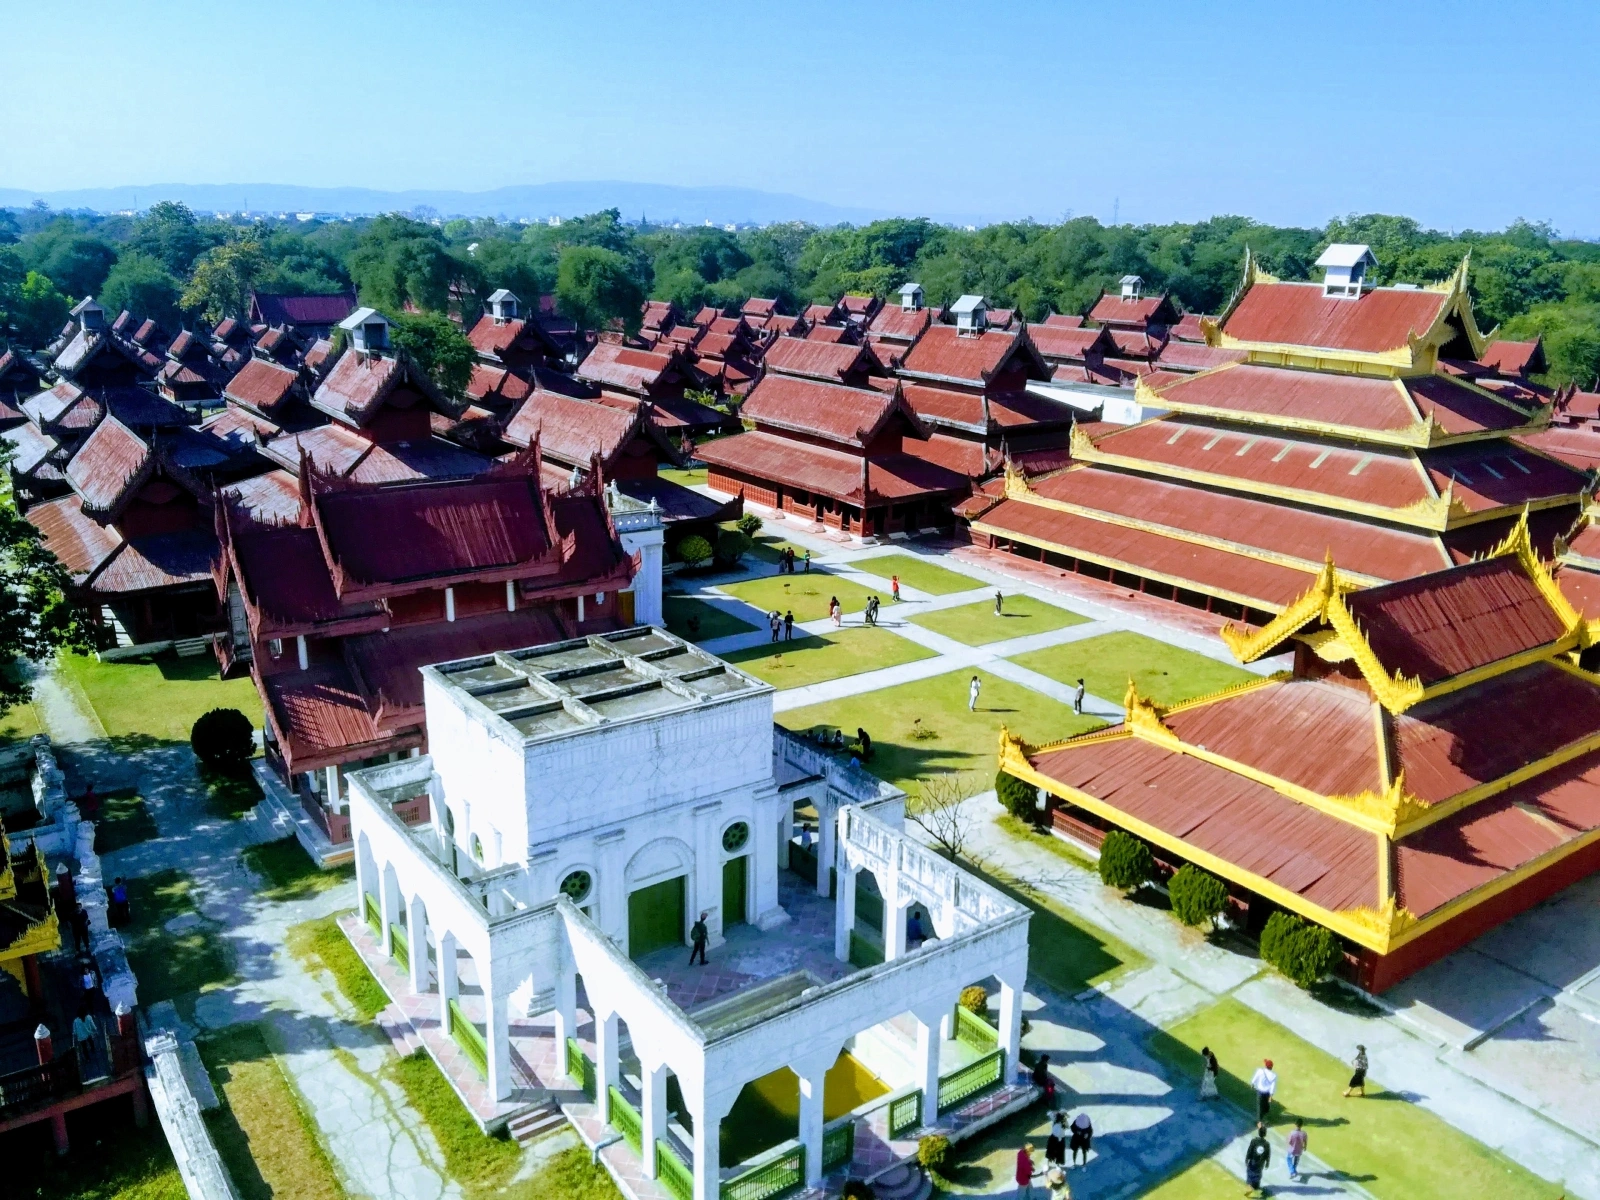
x=971 y=1079
x=777 y=1176
x=581 y=1067
x=905 y=1113
x=625 y=1119
x=672 y=1172
x=469 y=1039
x=374 y=913
x=972 y=1030
x=838 y=1143
x=402 y=948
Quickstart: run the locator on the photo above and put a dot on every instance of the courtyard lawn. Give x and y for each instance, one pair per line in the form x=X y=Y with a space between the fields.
x=123 y=821
x=695 y=477
x=321 y=945
x=480 y=1164
x=290 y=873
x=769 y=548
x=803 y=593
x=919 y=573
x=1161 y=672
x=1203 y=1180
x=20 y=723
x=976 y=624
x=951 y=738
x=172 y=962
x=111 y=1159
x=1396 y=1149
x=698 y=621
x=811 y=658
x=267 y=1138
x=158 y=698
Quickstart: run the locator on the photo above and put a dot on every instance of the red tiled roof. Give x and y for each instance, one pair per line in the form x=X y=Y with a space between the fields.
x=261 y=384
x=706 y=315
x=1578 y=446
x=81 y=544
x=896 y=324
x=1113 y=309
x=851 y=416
x=1500 y=473
x=320 y=711
x=1133 y=343
x=831 y=361
x=1195 y=356
x=570 y=430
x=274 y=308
x=273 y=496
x=490 y=336
x=657 y=313
x=359 y=383
x=1248 y=824
x=942 y=352
x=496 y=385
x=30 y=447
x=756 y=307
x=110 y=457
x=833 y=333
x=1298 y=314
x=1059 y=343
x=1449 y=622
x=816 y=313
x=835 y=473
x=158 y=561
x=859 y=306
x=1188 y=329
x=1514 y=358
x=1063 y=321
x=611 y=364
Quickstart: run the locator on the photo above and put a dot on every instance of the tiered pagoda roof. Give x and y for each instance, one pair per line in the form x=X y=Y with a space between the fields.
x=1434 y=748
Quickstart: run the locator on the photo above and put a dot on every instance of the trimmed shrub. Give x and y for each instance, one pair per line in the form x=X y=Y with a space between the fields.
x=933 y=1152
x=731 y=546
x=1125 y=861
x=1197 y=896
x=975 y=999
x=694 y=550
x=859 y=1189
x=1016 y=797
x=1298 y=949
x=749 y=524
x=223 y=739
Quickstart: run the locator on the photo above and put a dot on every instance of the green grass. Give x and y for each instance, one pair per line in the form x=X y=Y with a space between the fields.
x=267 y=1139
x=1047 y=842
x=168 y=964
x=963 y=741
x=290 y=873
x=20 y=722
x=321 y=944
x=230 y=796
x=976 y=624
x=158 y=698
x=1393 y=1148
x=767 y=1111
x=111 y=1159
x=1202 y=1180
x=769 y=548
x=806 y=595
x=918 y=573
x=811 y=658
x=694 y=478
x=1161 y=672
x=123 y=821
x=481 y=1165
x=568 y=1176
x=679 y=610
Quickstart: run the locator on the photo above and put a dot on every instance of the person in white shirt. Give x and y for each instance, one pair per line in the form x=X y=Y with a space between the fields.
x=972 y=694
x=1265 y=1082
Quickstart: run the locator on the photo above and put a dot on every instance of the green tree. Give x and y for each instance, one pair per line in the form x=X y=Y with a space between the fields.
x=594 y=288
x=439 y=348
x=143 y=286
x=75 y=261
x=29 y=303
x=1298 y=949
x=1197 y=896
x=170 y=234
x=1015 y=796
x=223 y=279
x=398 y=261
x=1125 y=861
x=37 y=617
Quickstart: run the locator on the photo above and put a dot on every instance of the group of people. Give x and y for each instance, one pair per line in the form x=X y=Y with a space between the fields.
x=781 y=625
x=871 y=611
x=1073 y=1138
x=788 y=559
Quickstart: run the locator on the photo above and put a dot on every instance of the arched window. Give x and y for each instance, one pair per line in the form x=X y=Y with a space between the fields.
x=577 y=885
x=735 y=837
x=477 y=848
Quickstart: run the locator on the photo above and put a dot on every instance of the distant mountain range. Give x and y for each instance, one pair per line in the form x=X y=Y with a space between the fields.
x=660 y=203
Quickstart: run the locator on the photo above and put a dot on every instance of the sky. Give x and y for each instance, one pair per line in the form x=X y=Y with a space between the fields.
x=1463 y=115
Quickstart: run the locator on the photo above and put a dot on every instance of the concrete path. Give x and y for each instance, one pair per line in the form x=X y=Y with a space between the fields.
x=66 y=717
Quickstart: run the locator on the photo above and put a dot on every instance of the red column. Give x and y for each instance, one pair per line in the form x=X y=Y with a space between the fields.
x=45 y=1049
x=30 y=975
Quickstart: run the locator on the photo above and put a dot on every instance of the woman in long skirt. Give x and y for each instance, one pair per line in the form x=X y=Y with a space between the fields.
x=1208 y=1074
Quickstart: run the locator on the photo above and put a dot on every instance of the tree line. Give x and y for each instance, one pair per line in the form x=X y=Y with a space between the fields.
x=179 y=269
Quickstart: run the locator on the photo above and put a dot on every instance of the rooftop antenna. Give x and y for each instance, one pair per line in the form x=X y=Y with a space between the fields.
x=1116 y=209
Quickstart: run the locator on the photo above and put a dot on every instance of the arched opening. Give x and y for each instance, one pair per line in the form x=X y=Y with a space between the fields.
x=736 y=874
x=767 y=1112
x=659 y=898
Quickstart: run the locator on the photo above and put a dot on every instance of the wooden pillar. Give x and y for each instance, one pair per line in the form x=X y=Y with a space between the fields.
x=30 y=975
x=44 y=1048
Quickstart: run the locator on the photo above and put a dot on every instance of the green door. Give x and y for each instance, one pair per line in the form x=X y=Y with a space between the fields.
x=733 y=891
x=655 y=917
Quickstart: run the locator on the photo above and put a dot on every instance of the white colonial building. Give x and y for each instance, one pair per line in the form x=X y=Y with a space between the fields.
x=589 y=800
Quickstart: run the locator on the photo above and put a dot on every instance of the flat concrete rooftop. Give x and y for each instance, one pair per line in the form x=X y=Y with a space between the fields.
x=563 y=688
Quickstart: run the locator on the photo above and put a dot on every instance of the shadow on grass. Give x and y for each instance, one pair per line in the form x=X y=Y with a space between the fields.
x=172 y=962
x=122 y=821
x=290 y=873
x=111 y=1158
x=1065 y=955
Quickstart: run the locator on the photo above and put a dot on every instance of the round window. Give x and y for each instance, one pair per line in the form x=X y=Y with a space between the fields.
x=735 y=836
x=575 y=887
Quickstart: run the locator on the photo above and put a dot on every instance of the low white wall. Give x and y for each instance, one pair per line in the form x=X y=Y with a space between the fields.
x=201 y=1167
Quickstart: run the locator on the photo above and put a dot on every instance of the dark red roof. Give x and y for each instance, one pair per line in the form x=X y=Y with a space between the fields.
x=848 y=415
x=1298 y=314
x=1112 y=309
x=832 y=361
x=276 y=308
x=359 y=384
x=1515 y=358
x=835 y=473
x=1063 y=321
x=1060 y=343
x=110 y=457
x=611 y=364
x=261 y=384
x=756 y=307
x=943 y=352
x=1188 y=328
x=896 y=324
x=572 y=430
x=1179 y=355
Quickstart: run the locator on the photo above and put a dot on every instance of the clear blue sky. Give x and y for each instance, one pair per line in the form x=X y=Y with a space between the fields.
x=1462 y=114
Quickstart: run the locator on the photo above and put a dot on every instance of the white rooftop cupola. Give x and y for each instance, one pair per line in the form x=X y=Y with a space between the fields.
x=368 y=329
x=503 y=304
x=1346 y=265
x=1132 y=287
x=972 y=315
x=90 y=315
x=910 y=297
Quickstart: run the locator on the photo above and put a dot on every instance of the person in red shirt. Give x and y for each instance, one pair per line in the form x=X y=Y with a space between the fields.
x=1025 y=1172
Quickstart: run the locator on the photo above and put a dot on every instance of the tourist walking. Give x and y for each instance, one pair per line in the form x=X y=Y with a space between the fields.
x=788 y=626
x=1055 y=1147
x=90 y=982
x=1256 y=1157
x=1297 y=1147
x=1358 y=1077
x=894 y=587
x=914 y=934
x=1208 y=1074
x=698 y=936
x=973 y=689
x=1025 y=1172
x=1265 y=1083
x=999 y=599
x=119 y=902
x=835 y=611
x=1077 y=698
x=1082 y=1137
x=83 y=1032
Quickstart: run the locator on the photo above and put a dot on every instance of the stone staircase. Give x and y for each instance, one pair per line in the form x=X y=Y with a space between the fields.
x=192 y=647
x=534 y=1124
x=903 y=1181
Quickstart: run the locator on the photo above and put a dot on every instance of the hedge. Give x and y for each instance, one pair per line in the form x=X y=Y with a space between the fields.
x=1300 y=950
x=1017 y=797
x=223 y=739
x=694 y=550
x=1197 y=896
x=1125 y=861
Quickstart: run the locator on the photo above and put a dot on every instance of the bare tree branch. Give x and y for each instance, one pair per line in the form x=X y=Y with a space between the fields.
x=939 y=812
